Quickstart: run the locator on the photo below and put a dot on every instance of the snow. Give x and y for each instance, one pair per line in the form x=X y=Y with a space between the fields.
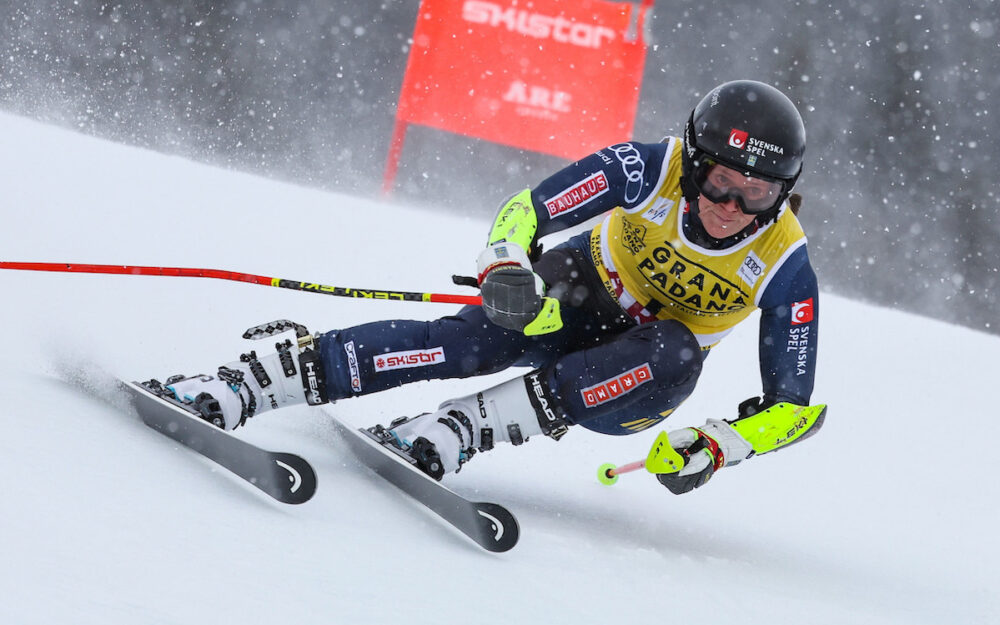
x=888 y=516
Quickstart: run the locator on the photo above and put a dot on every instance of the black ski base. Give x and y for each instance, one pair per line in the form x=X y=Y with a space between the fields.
x=286 y=477
x=490 y=525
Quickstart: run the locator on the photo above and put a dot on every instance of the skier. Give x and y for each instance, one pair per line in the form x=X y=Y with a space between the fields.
x=616 y=322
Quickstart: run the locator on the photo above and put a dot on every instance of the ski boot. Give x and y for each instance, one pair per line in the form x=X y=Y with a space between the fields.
x=443 y=441
x=252 y=385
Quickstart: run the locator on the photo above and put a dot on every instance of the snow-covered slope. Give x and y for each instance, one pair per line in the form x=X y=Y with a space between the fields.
x=888 y=516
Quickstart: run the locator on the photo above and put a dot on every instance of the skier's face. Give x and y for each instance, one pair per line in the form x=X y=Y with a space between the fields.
x=722 y=219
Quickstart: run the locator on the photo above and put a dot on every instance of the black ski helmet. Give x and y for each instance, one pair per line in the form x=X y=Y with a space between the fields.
x=750 y=127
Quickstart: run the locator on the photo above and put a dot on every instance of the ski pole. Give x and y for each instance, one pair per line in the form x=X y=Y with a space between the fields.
x=608 y=473
x=662 y=458
x=308 y=287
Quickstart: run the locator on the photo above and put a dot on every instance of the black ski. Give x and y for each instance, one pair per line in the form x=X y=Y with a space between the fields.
x=286 y=477
x=491 y=526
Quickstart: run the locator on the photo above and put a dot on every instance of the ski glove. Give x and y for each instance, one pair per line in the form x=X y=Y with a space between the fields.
x=512 y=292
x=705 y=450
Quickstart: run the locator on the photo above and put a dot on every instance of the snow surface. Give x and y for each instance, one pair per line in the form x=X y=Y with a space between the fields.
x=888 y=516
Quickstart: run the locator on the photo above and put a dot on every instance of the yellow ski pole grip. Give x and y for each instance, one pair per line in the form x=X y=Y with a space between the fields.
x=549 y=319
x=663 y=458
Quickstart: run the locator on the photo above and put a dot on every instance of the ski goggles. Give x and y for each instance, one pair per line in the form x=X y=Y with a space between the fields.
x=752 y=194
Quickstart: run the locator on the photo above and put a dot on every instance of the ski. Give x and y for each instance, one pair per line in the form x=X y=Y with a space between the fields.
x=490 y=525
x=286 y=477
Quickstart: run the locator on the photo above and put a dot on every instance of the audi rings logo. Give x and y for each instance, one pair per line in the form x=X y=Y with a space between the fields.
x=634 y=168
x=752 y=269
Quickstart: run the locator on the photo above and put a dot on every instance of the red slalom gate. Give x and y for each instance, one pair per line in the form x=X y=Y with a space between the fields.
x=552 y=76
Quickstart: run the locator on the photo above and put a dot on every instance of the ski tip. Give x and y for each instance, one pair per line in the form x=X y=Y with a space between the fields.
x=498 y=528
x=299 y=483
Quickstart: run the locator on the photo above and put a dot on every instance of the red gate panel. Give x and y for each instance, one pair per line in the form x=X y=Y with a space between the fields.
x=553 y=76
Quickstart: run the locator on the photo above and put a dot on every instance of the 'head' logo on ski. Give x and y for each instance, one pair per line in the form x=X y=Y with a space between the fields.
x=293 y=476
x=497 y=525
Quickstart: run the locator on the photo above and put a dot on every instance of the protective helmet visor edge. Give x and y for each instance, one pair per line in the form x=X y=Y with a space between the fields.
x=754 y=194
